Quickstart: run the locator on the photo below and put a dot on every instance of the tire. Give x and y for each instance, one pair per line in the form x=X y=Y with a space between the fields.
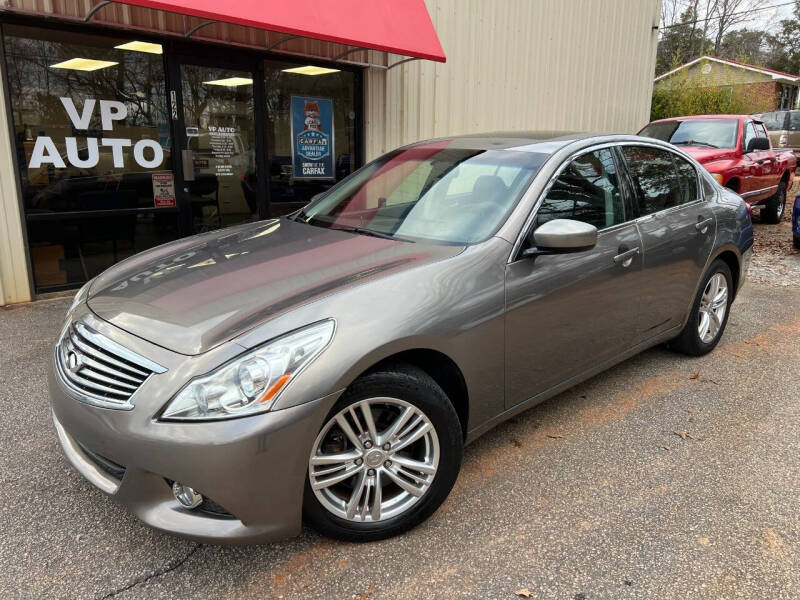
x=796 y=240
x=388 y=393
x=775 y=206
x=690 y=341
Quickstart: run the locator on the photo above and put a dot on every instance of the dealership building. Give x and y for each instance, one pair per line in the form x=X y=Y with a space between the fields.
x=133 y=123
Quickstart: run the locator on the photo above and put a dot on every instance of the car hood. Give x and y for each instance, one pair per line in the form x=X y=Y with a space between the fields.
x=194 y=294
x=707 y=155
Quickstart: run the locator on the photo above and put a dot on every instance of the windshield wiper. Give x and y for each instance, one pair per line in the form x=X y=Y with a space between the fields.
x=694 y=143
x=362 y=231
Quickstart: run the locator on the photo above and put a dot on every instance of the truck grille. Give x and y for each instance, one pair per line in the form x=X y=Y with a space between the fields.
x=99 y=371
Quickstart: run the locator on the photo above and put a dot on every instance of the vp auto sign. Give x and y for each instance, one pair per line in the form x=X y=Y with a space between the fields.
x=148 y=154
x=312 y=137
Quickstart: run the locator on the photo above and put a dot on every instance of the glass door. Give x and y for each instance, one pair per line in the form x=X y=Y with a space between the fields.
x=218 y=154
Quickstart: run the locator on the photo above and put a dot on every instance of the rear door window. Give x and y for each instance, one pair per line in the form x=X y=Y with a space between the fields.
x=774 y=121
x=687 y=179
x=655 y=178
x=794 y=120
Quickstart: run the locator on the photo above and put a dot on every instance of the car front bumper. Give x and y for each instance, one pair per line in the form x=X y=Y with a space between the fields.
x=253 y=467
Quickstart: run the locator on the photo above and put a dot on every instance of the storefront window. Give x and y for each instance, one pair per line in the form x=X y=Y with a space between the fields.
x=220 y=135
x=311 y=131
x=94 y=151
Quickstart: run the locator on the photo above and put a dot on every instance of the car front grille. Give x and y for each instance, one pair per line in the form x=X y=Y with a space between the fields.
x=99 y=371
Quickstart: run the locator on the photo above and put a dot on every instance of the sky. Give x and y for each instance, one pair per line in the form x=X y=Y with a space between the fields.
x=768 y=20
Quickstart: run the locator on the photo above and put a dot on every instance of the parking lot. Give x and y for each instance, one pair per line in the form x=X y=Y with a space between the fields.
x=665 y=477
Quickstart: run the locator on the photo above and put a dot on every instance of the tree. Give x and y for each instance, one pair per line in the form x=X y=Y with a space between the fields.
x=744 y=45
x=681 y=41
x=783 y=48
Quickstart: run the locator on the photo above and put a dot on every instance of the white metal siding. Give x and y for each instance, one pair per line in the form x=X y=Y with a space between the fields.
x=583 y=65
x=14 y=284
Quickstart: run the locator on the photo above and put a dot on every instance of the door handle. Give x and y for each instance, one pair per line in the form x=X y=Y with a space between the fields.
x=187 y=162
x=625 y=256
x=702 y=226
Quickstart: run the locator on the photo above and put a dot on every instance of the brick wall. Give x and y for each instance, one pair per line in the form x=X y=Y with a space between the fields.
x=758 y=97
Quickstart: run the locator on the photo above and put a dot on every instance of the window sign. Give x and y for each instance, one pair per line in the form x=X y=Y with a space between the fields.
x=164 y=190
x=148 y=154
x=312 y=138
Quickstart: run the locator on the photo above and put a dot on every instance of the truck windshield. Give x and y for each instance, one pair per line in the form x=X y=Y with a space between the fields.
x=705 y=133
x=429 y=192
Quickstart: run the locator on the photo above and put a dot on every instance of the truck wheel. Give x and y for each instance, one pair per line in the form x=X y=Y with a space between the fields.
x=773 y=209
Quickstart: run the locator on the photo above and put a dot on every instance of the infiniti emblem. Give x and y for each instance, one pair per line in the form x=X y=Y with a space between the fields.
x=73 y=361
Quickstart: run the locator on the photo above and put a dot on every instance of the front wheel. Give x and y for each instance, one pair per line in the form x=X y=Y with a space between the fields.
x=773 y=209
x=709 y=313
x=386 y=457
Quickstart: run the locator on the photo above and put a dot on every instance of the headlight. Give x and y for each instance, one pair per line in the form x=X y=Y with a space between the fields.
x=718 y=177
x=250 y=383
x=80 y=296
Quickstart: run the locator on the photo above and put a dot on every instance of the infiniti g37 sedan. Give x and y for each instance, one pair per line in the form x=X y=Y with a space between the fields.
x=330 y=366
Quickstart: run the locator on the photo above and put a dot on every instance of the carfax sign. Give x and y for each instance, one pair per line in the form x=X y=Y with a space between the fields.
x=312 y=138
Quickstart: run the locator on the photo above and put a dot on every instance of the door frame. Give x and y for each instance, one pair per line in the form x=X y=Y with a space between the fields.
x=238 y=61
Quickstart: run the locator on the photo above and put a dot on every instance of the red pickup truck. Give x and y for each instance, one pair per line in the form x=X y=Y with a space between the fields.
x=736 y=150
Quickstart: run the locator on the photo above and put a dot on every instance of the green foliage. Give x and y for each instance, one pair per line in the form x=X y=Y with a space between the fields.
x=685 y=99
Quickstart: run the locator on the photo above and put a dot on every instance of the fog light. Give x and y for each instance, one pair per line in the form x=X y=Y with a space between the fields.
x=187 y=496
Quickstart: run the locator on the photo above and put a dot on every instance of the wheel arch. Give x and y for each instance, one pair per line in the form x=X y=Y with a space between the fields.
x=734 y=262
x=440 y=367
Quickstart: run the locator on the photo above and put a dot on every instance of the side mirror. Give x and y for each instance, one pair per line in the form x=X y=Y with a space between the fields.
x=758 y=143
x=561 y=236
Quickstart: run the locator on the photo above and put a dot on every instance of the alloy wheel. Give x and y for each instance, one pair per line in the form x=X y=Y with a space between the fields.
x=713 y=306
x=781 y=204
x=374 y=460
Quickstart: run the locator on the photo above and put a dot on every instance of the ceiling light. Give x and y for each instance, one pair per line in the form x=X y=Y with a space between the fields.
x=136 y=46
x=311 y=70
x=84 y=64
x=230 y=81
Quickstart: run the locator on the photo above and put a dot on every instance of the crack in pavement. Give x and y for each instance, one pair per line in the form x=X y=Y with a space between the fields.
x=171 y=566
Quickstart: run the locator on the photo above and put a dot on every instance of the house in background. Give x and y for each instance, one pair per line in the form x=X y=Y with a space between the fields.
x=758 y=89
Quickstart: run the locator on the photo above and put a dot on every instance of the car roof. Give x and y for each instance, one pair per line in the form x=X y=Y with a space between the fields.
x=545 y=142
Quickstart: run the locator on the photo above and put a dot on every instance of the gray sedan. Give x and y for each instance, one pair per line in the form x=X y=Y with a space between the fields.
x=331 y=365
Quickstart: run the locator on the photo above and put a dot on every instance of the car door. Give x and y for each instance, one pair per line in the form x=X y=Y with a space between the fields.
x=752 y=184
x=793 y=127
x=568 y=312
x=770 y=169
x=677 y=228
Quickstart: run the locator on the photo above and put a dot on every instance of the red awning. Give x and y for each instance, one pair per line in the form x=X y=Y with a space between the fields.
x=396 y=26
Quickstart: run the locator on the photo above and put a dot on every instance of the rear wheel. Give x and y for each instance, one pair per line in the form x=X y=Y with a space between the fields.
x=386 y=457
x=774 y=207
x=709 y=314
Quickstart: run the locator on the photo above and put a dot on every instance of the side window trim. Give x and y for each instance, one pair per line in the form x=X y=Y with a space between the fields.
x=632 y=208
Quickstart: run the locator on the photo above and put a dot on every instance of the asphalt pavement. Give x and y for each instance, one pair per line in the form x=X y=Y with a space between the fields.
x=665 y=477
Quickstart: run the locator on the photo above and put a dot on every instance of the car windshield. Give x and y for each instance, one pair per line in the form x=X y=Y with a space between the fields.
x=428 y=192
x=706 y=133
